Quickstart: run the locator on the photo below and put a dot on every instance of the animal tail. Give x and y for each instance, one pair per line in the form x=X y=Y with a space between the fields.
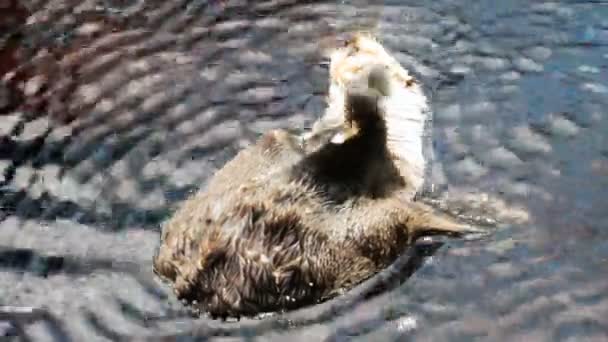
x=427 y=221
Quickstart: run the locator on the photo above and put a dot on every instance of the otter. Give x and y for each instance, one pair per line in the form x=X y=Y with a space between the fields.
x=295 y=220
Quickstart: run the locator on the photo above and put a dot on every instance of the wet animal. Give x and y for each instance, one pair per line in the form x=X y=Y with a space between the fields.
x=294 y=220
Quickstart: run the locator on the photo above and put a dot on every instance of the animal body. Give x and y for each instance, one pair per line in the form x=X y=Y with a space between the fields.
x=294 y=220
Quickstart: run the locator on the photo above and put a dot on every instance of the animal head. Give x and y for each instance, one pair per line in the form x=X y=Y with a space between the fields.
x=362 y=62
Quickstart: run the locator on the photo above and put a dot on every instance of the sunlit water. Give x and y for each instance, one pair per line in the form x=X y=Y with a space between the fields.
x=113 y=111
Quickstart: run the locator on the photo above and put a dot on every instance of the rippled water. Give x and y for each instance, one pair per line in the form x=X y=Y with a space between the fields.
x=112 y=111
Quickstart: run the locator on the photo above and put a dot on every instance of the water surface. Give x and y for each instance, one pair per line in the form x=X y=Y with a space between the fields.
x=113 y=111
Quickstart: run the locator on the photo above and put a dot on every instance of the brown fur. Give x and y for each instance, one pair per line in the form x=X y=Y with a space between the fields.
x=283 y=225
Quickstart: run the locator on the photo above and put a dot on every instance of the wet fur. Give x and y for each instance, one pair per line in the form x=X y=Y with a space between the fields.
x=293 y=220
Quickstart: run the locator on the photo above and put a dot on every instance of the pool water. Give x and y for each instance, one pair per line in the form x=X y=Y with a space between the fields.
x=111 y=112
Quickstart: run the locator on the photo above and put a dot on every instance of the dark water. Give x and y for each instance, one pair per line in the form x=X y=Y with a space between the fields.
x=112 y=111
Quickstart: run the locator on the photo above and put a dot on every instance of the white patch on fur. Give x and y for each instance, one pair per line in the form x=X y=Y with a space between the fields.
x=339 y=138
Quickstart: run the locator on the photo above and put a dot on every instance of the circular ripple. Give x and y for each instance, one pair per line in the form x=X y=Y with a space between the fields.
x=113 y=111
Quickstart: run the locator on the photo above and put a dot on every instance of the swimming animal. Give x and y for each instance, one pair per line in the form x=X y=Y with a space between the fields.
x=296 y=219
